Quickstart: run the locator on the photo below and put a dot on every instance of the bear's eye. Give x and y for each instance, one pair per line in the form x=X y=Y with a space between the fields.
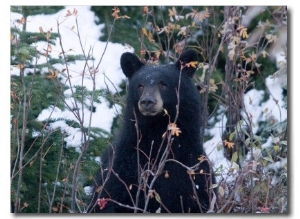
x=162 y=85
x=140 y=87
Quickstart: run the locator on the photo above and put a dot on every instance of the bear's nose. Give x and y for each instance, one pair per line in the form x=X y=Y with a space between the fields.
x=147 y=102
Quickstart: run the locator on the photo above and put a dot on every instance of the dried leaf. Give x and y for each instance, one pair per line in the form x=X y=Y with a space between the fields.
x=190 y=172
x=228 y=144
x=41 y=29
x=264 y=53
x=201 y=158
x=21 y=21
x=115 y=13
x=99 y=189
x=151 y=193
x=20 y=66
x=75 y=11
x=167 y=174
x=235 y=40
x=212 y=86
x=48 y=35
x=52 y=74
x=166 y=112
x=193 y=64
x=148 y=34
x=174 y=130
x=231 y=55
x=202 y=15
x=221 y=191
x=15 y=120
x=243 y=33
x=213 y=186
x=253 y=57
x=49 y=48
x=68 y=13
x=125 y=16
x=145 y=10
x=270 y=38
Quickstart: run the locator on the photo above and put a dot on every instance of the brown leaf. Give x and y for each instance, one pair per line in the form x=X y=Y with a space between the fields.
x=145 y=10
x=201 y=158
x=75 y=11
x=115 y=13
x=52 y=74
x=193 y=64
x=228 y=144
x=151 y=194
x=68 y=13
x=41 y=29
x=174 y=130
x=20 y=66
x=49 y=48
x=22 y=21
x=167 y=174
x=231 y=54
x=125 y=16
x=48 y=35
x=190 y=172
x=99 y=189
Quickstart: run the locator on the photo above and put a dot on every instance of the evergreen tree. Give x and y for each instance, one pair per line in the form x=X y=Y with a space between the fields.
x=42 y=167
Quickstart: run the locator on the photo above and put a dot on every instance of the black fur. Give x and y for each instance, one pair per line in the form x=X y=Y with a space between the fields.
x=173 y=187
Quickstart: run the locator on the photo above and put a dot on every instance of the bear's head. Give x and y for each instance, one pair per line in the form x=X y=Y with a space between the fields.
x=153 y=88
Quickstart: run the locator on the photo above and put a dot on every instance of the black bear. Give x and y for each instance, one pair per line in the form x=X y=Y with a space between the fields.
x=157 y=164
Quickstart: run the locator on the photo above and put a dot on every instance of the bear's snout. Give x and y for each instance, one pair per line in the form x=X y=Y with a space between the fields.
x=150 y=103
x=147 y=102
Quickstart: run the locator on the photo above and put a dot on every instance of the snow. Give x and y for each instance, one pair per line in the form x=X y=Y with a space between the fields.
x=109 y=76
x=215 y=154
x=259 y=111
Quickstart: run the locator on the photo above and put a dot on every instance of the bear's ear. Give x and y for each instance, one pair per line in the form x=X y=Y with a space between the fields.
x=130 y=63
x=189 y=59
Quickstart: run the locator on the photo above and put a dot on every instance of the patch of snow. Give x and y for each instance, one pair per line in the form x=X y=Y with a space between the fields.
x=109 y=76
